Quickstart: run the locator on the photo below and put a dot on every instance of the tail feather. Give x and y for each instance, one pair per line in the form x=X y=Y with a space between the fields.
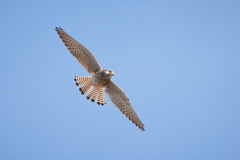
x=81 y=80
x=101 y=98
x=97 y=94
x=94 y=94
x=84 y=82
x=86 y=87
x=91 y=93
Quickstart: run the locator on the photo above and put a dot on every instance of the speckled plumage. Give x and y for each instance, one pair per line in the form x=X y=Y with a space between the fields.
x=99 y=81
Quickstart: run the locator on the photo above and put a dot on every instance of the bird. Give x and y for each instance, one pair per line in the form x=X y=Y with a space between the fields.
x=99 y=81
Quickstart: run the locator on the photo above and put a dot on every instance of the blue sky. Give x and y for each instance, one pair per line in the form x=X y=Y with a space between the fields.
x=178 y=62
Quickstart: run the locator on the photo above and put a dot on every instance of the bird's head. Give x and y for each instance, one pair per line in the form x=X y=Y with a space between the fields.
x=109 y=72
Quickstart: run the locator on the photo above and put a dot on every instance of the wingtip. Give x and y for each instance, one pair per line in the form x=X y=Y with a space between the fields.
x=58 y=28
x=142 y=128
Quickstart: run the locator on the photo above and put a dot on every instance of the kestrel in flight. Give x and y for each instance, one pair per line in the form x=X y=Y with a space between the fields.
x=100 y=80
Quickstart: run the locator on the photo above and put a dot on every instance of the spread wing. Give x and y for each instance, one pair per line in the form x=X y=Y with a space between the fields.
x=83 y=55
x=120 y=99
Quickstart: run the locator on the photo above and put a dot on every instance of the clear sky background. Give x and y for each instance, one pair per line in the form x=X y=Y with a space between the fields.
x=178 y=62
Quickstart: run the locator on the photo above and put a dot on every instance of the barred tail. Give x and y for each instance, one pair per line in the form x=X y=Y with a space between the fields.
x=97 y=94
x=85 y=82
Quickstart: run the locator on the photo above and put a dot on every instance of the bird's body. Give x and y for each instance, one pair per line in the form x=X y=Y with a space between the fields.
x=100 y=80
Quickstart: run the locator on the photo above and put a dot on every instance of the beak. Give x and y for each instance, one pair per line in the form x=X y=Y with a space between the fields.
x=112 y=73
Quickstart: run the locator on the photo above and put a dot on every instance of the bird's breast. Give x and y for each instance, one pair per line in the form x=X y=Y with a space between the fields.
x=98 y=80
